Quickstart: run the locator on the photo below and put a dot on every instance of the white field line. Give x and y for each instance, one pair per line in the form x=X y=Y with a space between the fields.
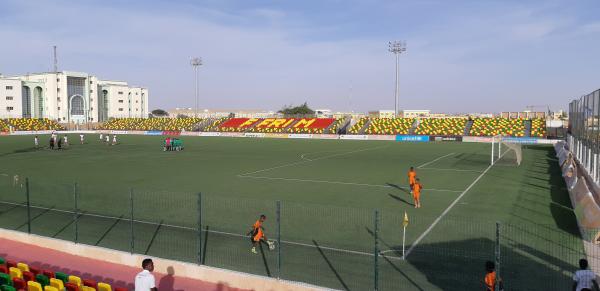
x=454 y=170
x=340 y=183
x=308 y=161
x=439 y=218
x=435 y=160
x=303 y=158
x=196 y=229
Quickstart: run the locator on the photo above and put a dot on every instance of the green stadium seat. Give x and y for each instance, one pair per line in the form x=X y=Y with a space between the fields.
x=5 y=279
x=7 y=288
x=42 y=279
x=62 y=276
x=2 y=261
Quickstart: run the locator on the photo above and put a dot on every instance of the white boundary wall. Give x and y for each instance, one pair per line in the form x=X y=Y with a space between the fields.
x=188 y=270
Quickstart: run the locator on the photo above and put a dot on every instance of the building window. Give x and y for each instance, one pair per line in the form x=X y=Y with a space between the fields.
x=137 y=101
x=9 y=87
x=91 y=108
x=57 y=89
x=9 y=108
x=77 y=105
x=58 y=108
x=120 y=101
x=136 y=109
x=120 y=109
x=58 y=99
x=91 y=82
x=57 y=80
x=91 y=91
x=9 y=98
x=120 y=93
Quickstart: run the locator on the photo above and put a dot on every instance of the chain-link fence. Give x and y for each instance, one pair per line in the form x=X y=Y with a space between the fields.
x=335 y=247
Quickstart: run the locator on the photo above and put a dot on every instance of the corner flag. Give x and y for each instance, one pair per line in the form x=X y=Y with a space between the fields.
x=405 y=221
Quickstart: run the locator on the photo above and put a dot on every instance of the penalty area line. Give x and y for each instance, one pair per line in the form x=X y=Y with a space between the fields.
x=435 y=160
x=439 y=218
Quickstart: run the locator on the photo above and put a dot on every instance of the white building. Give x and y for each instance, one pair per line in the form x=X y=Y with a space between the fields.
x=70 y=97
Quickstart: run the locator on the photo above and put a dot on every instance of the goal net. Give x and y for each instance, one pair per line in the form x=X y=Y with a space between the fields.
x=505 y=152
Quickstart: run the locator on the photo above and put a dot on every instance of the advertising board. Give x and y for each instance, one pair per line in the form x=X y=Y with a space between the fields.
x=354 y=137
x=412 y=138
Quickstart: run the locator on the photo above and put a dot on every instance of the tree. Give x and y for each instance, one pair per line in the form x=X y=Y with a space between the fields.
x=297 y=110
x=182 y=116
x=159 y=113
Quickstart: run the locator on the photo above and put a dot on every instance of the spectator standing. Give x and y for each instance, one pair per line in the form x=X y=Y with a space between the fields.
x=584 y=278
x=144 y=280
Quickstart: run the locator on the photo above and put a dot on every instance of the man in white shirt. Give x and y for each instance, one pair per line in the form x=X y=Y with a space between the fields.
x=81 y=137
x=144 y=280
x=584 y=279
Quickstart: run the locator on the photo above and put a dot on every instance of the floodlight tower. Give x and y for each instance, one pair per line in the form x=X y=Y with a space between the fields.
x=196 y=62
x=397 y=47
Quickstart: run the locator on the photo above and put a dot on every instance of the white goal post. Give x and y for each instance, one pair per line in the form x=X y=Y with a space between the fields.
x=510 y=153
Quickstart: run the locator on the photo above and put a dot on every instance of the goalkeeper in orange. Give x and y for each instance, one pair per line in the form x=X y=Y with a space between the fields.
x=257 y=234
x=412 y=176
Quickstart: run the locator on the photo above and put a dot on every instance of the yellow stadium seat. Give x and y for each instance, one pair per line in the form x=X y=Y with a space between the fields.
x=34 y=286
x=104 y=287
x=15 y=273
x=23 y=267
x=50 y=288
x=86 y=288
x=75 y=280
x=58 y=284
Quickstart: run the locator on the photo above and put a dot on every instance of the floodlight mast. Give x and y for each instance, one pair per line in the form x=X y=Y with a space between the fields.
x=196 y=63
x=397 y=48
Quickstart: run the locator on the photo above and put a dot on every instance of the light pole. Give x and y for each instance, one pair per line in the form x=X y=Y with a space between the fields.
x=397 y=47
x=196 y=62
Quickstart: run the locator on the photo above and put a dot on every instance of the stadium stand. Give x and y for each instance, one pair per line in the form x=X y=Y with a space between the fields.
x=336 y=125
x=355 y=129
x=498 y=126
x=441 y=126
x=538 y=127
x=174 y=124
x=236 y=124
x=312 y=125
x=215 y=124
x=3 y=126
x=274 y=125
x=30 y=124
x=390 y=125
x=20 y=276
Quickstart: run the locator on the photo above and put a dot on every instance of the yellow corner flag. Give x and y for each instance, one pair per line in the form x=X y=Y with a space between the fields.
x=405 y=221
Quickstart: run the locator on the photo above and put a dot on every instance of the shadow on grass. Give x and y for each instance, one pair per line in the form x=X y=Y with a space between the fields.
x=400 y=199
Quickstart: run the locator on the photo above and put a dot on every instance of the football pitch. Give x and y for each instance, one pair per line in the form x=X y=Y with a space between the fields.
x=326 y=193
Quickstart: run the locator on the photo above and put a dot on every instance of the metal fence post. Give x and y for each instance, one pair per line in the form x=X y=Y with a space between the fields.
x=376 y=251
x=199 y=228
x=278 y=239
x=497 y=259
x=28 y=206
x=76 y=213
x=131 y=220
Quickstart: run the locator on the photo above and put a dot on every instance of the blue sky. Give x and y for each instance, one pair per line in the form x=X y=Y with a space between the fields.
x=463 y=56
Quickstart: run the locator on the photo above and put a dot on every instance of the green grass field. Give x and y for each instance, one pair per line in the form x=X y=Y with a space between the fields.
x=328 y=192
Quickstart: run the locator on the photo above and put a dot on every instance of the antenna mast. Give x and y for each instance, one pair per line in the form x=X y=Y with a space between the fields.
x=55 y=61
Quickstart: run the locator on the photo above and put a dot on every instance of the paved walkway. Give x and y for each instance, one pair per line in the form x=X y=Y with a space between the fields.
x=114 y=274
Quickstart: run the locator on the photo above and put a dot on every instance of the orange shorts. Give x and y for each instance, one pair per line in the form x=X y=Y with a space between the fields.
x=416 y=196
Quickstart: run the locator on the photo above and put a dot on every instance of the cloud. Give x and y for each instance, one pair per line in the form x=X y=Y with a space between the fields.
x=473 y=60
